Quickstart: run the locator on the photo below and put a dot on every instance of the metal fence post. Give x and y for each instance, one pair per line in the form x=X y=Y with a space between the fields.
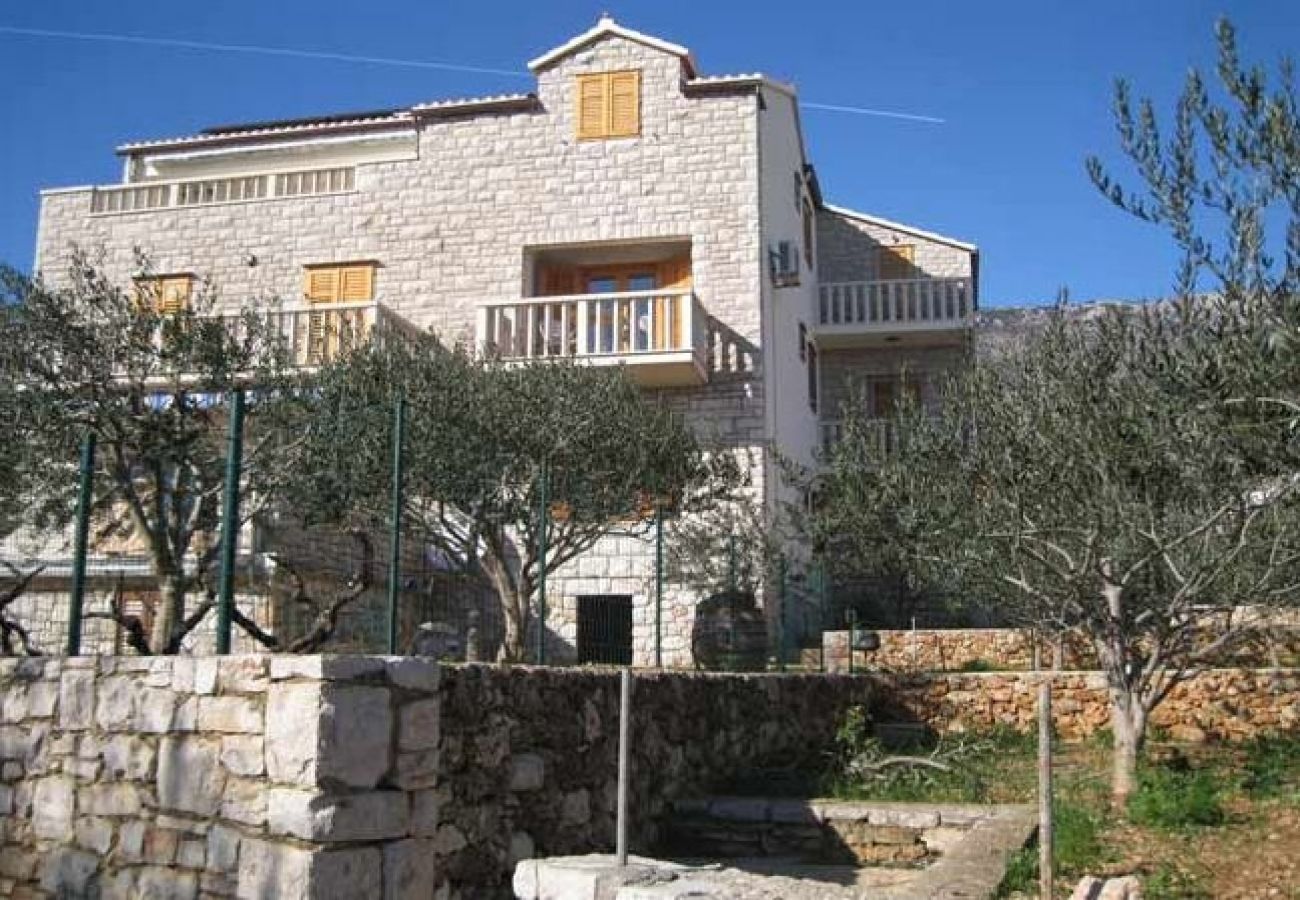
x=395 y=523
x=230 y=520
x=80 y=536
x=780 y=614
x=544 y=522
x=659 y=585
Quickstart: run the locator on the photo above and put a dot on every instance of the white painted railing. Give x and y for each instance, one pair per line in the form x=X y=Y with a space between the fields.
x=629 y=324
x=318 y=333
x=901 y=304
x=148 y=195
x=881 y=435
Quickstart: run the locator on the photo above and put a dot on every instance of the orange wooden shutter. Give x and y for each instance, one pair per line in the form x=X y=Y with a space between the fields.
x=896 y=261
x=322 y=284
x=593 y=106
x=624 y=104
x=557 y=281
x=174 y=294
x=357 y=283
x=674 y=275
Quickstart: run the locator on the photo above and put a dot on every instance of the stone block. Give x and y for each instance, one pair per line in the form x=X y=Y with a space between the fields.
x=325 y=667
x=269 y=871
x=575 y=809
x=115 y=702
x=418 y=725
x=94 y=833
x=189 y=778
x=160 y=845
x=527 y=772
x=70 y=873
x=119 y=885
x=42 y=699
x=223 y=849
x=246 y=674
x=521 y=847
x=408 y=870
x=76 y=699
x=126 y=757
x=369 y=816
x=53 y=806
x=426 y=811
x=192 y=854
x=416 y=770
x=242 y=754
x=412 y=673
x=164 y=884
x=110 y=799
x=244 y=801
x=230 y=715
x=130 y=845
x=356 y=726
x=154 y=710
x=205 y=674
x=293 y=731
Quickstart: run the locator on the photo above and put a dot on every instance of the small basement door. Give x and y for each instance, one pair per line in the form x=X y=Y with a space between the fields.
x=605 y=629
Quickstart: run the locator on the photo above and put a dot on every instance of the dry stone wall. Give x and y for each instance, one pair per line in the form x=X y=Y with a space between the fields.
x=1221 y=704
x=331 y=777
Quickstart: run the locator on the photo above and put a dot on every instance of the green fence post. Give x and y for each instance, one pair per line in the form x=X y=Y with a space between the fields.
x=659 y=584
x=230 y=520
x=395 y=521
x=780 y=614
x=80 y=536
x=544 y=522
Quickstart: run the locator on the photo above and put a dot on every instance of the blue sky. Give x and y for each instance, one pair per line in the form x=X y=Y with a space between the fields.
x=1024 y=89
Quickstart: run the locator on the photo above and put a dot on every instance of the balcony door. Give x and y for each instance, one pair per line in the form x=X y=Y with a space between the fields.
x=621 y=326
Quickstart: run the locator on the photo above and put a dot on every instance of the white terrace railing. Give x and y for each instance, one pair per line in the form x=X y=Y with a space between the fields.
x=632 y=326
x=881 y=436
x=913 y=304
x=318 y=333
x=149 y=195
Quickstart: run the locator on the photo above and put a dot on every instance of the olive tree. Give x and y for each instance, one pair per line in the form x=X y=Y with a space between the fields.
x=487 y=443
x=92 y=356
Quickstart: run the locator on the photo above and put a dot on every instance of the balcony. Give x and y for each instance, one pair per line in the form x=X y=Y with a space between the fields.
x=660 y=335
x=913 y=310
x=881 y=436
x=150 y=195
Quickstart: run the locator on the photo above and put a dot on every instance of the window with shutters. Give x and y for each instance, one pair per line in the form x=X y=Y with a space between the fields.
x=896 y=261
x=609 y=105
x=351 y=283
x=164 y=294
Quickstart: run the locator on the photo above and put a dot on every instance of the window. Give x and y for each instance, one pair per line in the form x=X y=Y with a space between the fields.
x=803 y=342
x=351 y=283
x=609 y=105
x=165 y=294
x=887 y=393
x=808 y=221
x=895 y=262
x=811 y=363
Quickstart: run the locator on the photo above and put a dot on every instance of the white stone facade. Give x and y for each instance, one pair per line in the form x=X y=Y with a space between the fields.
x=452 y=203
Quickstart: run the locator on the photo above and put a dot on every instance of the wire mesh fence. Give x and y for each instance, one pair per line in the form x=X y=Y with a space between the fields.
x=167 y=566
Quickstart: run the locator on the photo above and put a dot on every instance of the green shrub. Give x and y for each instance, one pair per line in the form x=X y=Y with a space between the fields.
x=976 y=665
x=1271 y=765
x=1170 y=798
x=1077 y=834
x=1168 y=883
x=1022 y=873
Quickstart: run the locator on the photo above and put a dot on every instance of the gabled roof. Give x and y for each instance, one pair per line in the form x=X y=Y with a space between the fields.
x=604 y=28
x=899 y=226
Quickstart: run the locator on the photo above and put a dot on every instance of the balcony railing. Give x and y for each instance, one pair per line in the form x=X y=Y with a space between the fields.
x=661 y=335
x=902 y=305
x=881 y=436
x=318 y=333
x=149 y=195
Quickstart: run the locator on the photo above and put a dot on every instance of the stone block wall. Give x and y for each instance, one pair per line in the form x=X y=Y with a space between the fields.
x=198 y=777
x=323 y=777
x=1223 y=704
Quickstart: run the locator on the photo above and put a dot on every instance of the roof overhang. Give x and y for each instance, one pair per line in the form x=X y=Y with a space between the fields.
x=899 y=226
x=607 y=27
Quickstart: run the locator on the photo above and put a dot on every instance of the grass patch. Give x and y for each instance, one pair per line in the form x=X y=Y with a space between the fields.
x=1176 y=798
x=976 y=665
x=1077 y=849
x=1271 y=767
x=1170 y=883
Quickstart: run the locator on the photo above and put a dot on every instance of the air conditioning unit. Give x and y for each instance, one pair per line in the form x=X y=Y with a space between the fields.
x=784 y=262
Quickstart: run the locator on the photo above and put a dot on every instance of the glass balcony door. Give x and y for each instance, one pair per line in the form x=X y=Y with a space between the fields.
x=621 y=325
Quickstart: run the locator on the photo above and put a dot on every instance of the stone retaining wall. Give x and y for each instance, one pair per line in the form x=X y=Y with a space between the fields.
x=260 y=777
x=1012 y=649
x=1226 y=704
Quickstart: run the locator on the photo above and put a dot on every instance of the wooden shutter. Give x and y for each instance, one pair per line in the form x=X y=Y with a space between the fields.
x=624 y=104
x=670 y=312
x=896 y=261
x=593 y=106
x=357 y=283
x=166 y=294
x=322 y=284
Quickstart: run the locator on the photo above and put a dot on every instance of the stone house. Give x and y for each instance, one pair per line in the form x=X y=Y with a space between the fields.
x=629 y=210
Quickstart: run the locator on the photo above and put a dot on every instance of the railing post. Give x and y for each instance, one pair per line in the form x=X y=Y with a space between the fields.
x=659 y=584
x=230 y=521
x=584 y=314
x=395 y=520
x=79 y=545
x=544 y=521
